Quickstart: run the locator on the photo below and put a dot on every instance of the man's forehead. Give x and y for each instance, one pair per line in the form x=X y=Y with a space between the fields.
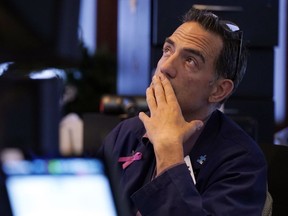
x=193 y=35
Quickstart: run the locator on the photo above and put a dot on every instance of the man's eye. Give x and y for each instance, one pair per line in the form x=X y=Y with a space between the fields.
x=190 y=60
x=166 y=50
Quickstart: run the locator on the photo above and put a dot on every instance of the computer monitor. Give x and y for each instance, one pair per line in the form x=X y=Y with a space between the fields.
x=59 y=186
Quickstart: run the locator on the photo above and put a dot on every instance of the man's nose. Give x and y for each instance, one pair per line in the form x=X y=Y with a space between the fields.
x=169 y=65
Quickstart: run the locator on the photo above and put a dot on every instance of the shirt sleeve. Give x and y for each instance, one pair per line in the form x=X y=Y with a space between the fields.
x=173 y=193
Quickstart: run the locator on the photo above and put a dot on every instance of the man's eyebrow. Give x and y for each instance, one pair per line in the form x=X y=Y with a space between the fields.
x=168 y=40
x=193 y=51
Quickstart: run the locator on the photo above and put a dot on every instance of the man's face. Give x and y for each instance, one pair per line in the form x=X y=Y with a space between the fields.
x=188 y=61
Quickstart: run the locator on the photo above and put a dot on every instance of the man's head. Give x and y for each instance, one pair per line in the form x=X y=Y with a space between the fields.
x=232 y=61
x=200 y=60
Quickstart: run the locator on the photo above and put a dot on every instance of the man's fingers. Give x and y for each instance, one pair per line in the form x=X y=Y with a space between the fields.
x=150 y=98
x=192 y=127
x=168 y=89
x=196 y=124
x=143 y=117
x=158 y=91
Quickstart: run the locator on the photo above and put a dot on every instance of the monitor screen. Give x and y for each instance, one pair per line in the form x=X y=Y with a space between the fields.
x=74 y=186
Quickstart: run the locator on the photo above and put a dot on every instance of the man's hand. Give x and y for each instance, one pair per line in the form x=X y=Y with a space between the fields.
x=166 y=127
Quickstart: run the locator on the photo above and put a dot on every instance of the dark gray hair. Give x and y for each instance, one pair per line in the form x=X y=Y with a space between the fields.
x=232 y=61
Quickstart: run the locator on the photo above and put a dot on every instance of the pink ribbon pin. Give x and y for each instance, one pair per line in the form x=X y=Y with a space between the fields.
x=130 y=159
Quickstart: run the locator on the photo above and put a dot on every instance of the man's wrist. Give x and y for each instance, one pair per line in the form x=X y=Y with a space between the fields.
x=168 y=168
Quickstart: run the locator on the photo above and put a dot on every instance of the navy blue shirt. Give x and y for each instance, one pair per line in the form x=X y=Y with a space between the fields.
x=229 y=167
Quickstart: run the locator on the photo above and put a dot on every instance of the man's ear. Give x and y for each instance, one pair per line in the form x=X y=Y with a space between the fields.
x=221 y=90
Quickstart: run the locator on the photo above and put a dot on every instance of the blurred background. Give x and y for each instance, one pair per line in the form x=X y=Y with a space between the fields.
x=105 y=53
x=102 y=55
x=70 y=70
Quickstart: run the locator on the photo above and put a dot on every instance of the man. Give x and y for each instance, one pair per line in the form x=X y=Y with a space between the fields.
x=186 y=157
